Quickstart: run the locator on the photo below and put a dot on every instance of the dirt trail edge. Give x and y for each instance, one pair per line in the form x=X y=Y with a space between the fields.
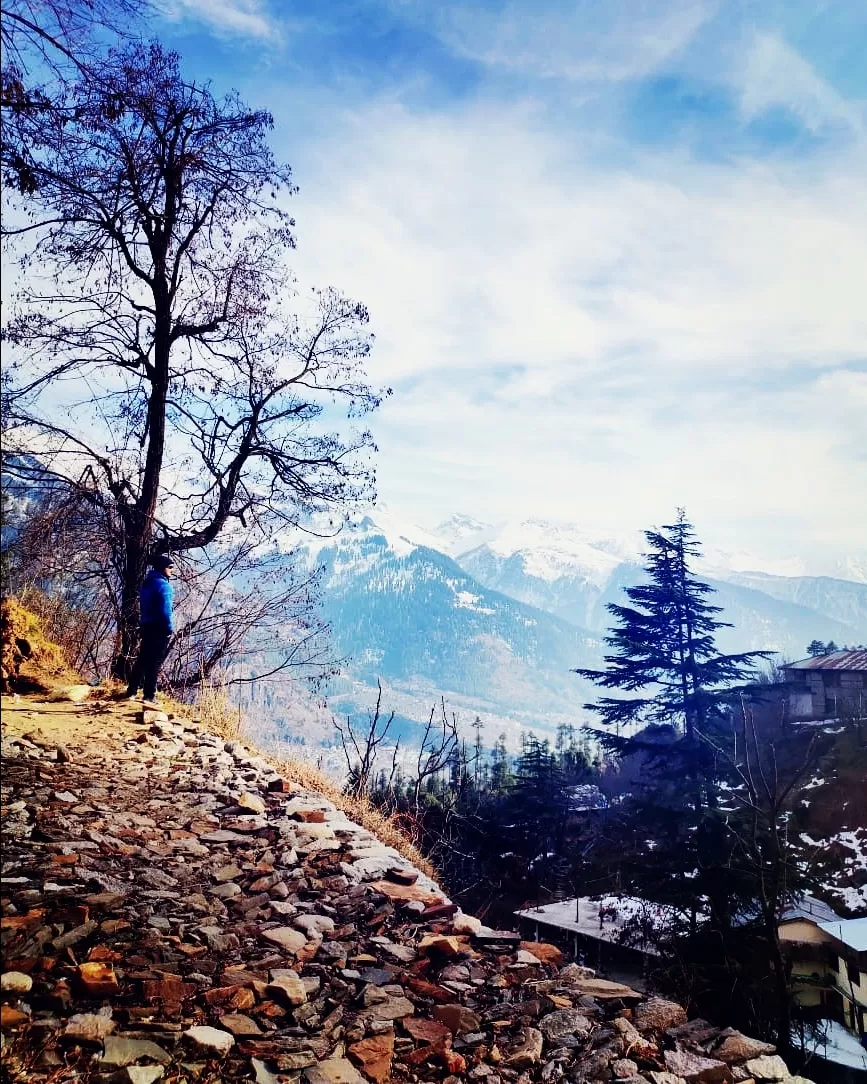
x=175 y=910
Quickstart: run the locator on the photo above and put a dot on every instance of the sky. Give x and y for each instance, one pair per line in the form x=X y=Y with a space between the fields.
x=615 y=254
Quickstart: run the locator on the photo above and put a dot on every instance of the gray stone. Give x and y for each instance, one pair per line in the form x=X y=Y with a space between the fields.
x=564 y=1022
x=333 y=1071
x=121 y=1051
x=526 y=1050
x=89 y=1027
x=286 y=938
x=225 y=891
x=210 y=1039
x=144 y=1074
x=695 y=1067
x=768 y=1067
x=314 y=925
x=288 y=985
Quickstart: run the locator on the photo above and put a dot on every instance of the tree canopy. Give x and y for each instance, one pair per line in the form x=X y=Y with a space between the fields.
x=164 y=366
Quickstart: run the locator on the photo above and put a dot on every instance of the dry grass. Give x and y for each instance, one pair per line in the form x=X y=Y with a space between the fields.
x=214 y=711
x=27 y=653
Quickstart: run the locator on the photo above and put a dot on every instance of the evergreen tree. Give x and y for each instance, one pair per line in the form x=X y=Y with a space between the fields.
x=674 y=845
x=664 y=654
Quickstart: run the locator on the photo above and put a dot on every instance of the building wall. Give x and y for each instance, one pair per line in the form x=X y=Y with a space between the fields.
x=852 y=982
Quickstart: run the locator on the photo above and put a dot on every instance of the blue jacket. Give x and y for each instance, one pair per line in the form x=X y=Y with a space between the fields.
x=156 y=601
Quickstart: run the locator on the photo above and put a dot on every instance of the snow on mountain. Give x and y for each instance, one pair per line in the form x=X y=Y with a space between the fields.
x=461 y=532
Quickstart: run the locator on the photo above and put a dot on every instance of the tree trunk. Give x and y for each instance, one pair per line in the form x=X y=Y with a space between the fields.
x=138 y=520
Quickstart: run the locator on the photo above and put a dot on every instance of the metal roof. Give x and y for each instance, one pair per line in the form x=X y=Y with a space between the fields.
x=851 y=931
x=837 y=660
x=810 y=908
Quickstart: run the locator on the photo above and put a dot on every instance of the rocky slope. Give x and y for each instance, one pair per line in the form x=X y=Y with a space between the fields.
x=175 y=909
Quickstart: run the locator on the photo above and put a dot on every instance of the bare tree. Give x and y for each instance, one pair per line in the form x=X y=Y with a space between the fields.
x=770 y=762
x=360 y=747
x=158 y=369
x=438 y=745
x=44 y=41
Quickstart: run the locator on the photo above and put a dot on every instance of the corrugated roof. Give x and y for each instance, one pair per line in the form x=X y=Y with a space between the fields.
x=810 y=908
x=837 y=660
x=851 y=931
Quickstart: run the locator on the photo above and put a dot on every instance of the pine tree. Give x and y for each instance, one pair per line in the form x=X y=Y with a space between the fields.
x=664 y=650
x=674 y=687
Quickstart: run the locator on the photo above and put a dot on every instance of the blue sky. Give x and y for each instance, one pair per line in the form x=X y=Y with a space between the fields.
x=615 y=254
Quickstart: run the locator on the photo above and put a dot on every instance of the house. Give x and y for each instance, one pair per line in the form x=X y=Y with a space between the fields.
x=827 y=686
x=828 y=957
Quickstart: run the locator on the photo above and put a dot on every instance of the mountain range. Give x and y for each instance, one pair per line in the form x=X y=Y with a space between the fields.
x=494 y=619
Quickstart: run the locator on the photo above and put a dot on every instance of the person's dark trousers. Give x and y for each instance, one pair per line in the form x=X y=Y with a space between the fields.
x=151 y=654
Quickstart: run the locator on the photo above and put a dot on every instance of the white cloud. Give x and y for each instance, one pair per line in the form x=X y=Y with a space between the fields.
x=581 y=41
x=774 y=75
x=231 y=18
x=568 y=339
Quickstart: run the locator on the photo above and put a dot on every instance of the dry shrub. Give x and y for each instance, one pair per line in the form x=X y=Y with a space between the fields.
x=27 y=654
x=214 y=710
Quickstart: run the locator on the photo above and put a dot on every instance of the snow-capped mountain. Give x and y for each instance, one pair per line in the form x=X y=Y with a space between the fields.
x=573 y=572
x=497 y=628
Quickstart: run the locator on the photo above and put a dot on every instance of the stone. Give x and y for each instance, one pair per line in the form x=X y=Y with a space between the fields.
x=462 y=923
x=12 y=1018
x=144 y=1074
x=240 y=1025
x=657 y=1014
x=605 y=990
x=543 y=952
x=768 y=1067
x=210 y=1040
x=88 y=1027
x=15 y=982
x=393 y=1008
x=526 y=1049
x=457 y=1018
x=425 y=1031
x=441 y=945
x=374 y=1056
x=736 y=1047
x=252 y=802
x=333 y=1071
x=695 y=1067
x=97 y=979
x=288 y=986
x=564 y=1022
x=292 y=941
x=121 y=1051
x=314 y=925
x=225 y=891
x=623 y=1069
x=227 y=873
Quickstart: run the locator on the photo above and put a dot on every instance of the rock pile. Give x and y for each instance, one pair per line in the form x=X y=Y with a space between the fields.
x=174 y=910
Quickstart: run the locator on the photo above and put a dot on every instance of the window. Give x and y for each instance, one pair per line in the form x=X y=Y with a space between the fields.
x=853 y=974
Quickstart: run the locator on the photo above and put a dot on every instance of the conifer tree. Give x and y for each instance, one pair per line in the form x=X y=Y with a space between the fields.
x=665 y=662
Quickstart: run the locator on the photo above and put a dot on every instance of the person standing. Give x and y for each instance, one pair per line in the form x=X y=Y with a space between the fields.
x=156 y=620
